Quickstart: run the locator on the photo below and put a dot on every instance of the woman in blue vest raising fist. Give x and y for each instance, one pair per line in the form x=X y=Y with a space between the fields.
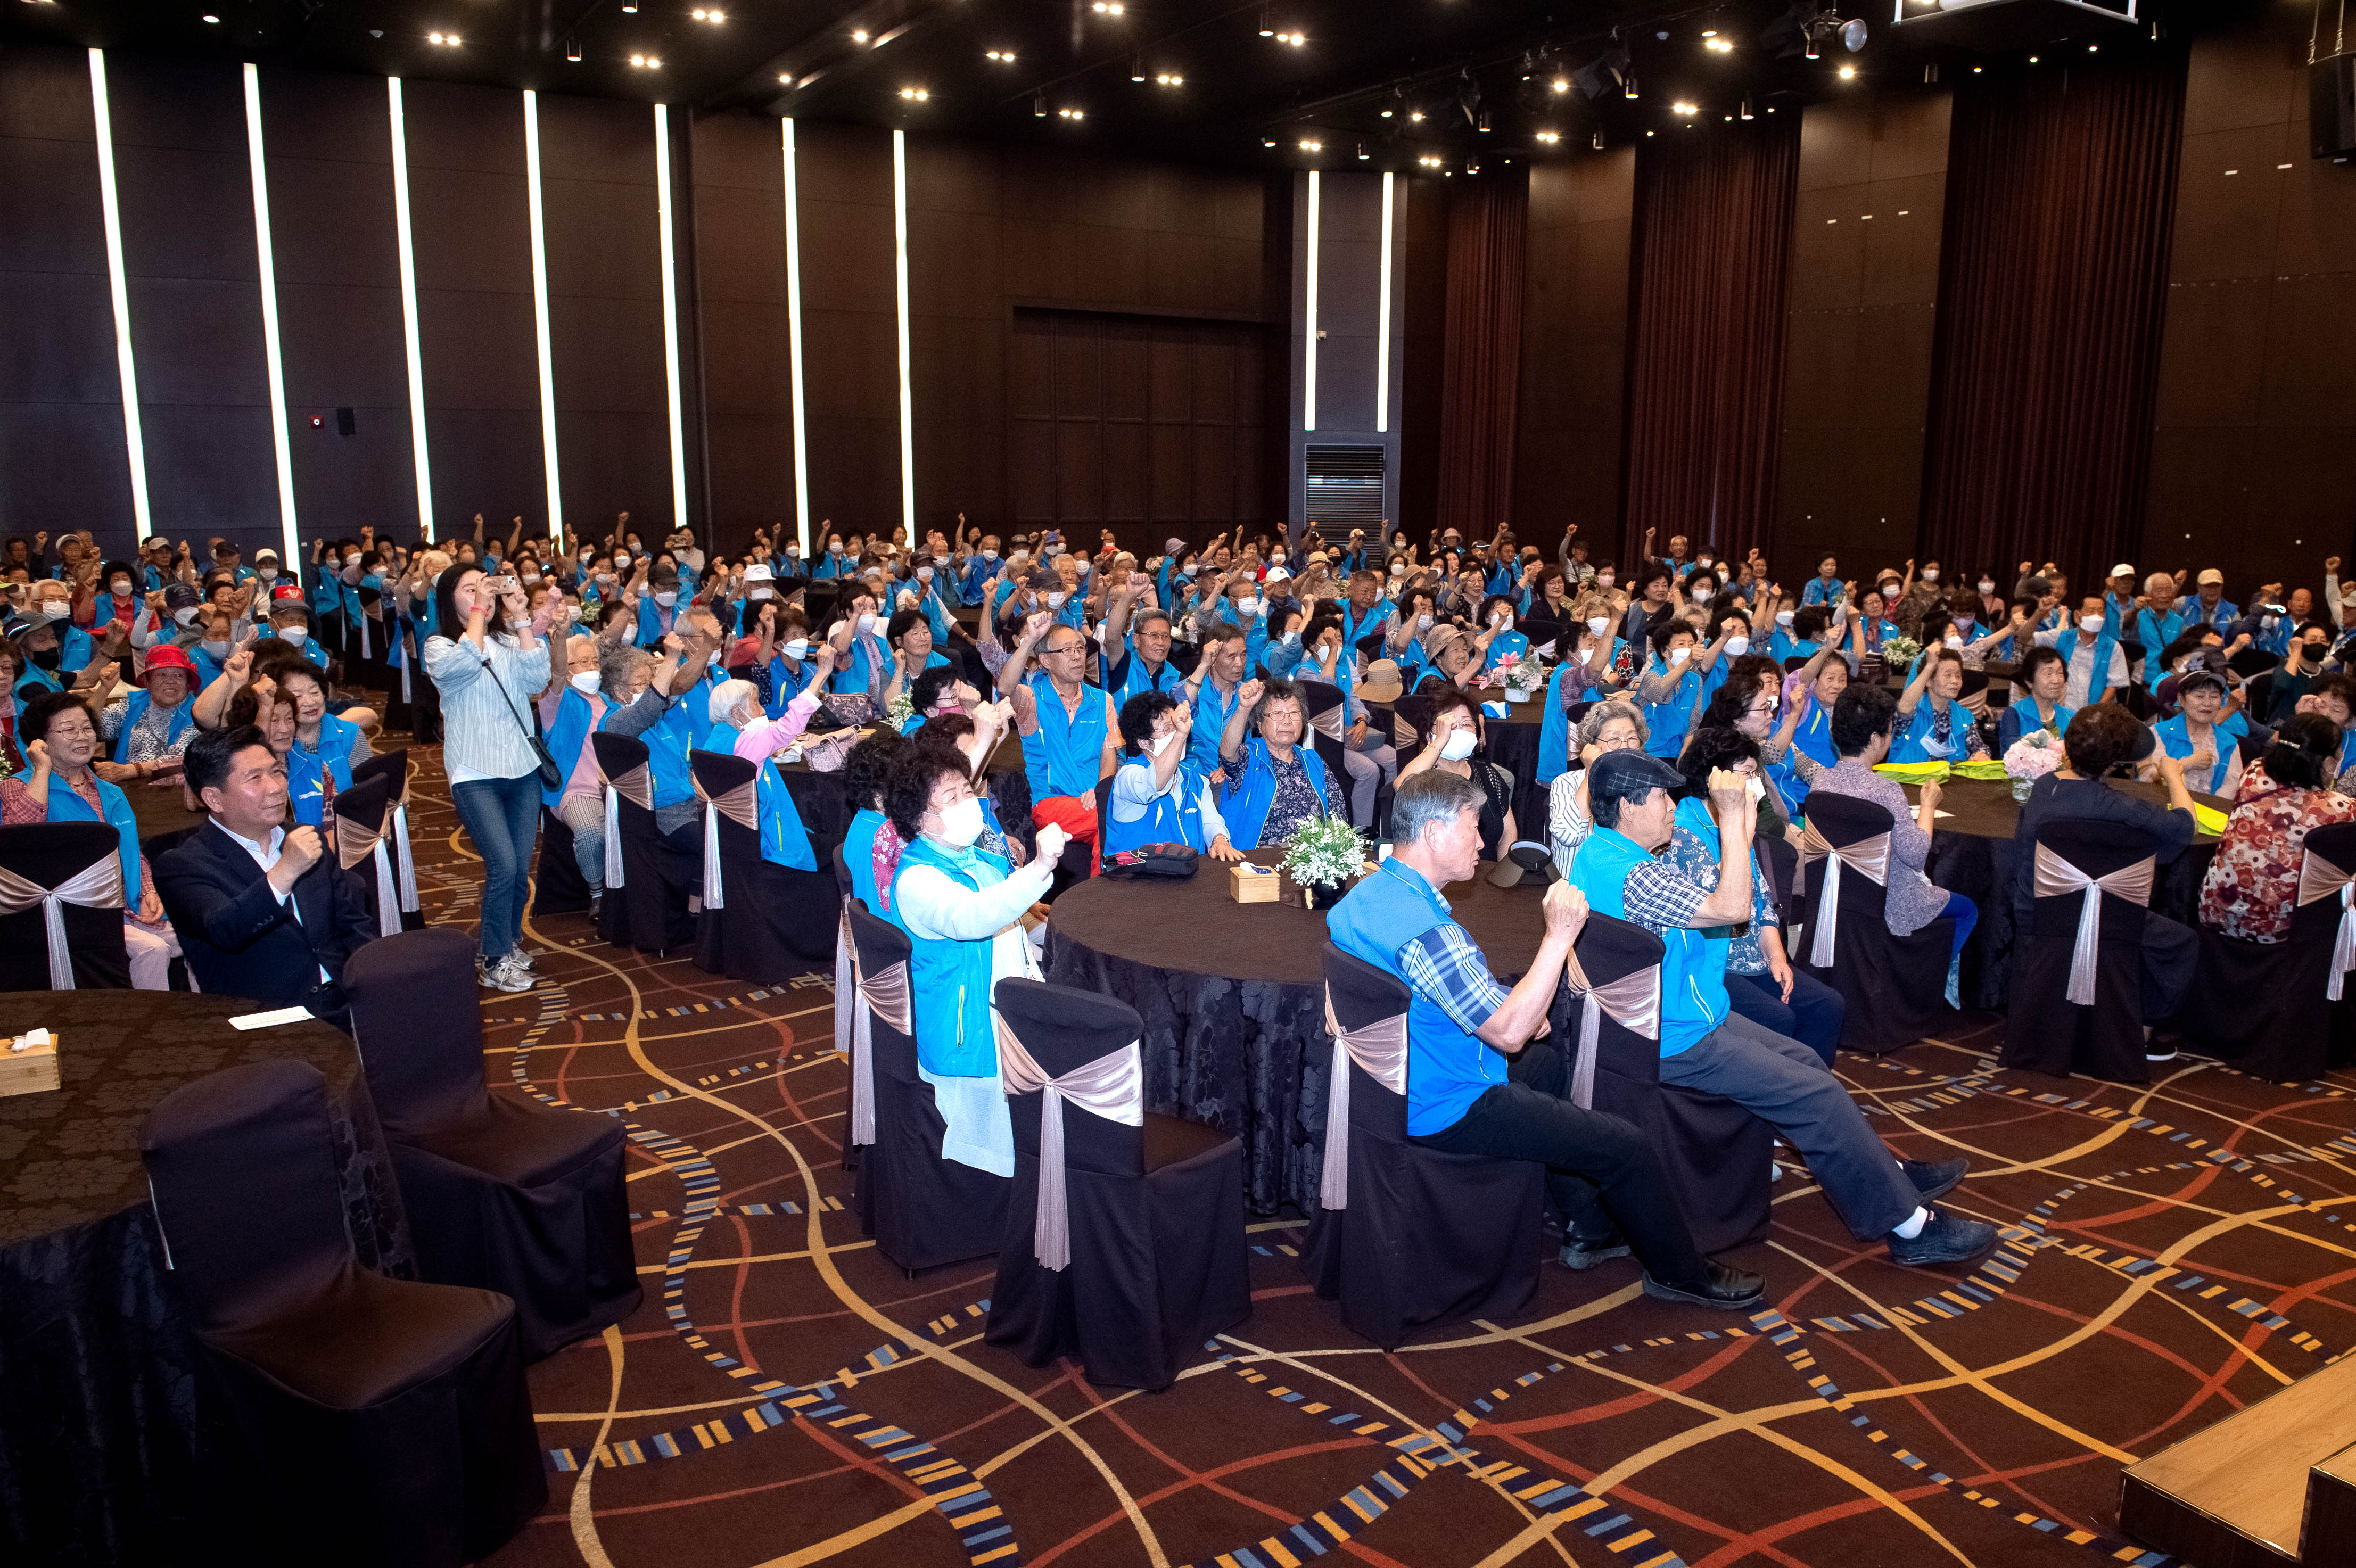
x=962 y=908
x=1159 y=796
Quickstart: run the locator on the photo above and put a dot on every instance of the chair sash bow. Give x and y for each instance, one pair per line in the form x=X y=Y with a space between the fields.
x=2320 y=879
x=1328 y=723
x=355 y=843
x=1112 y=1086
x=2057 y=878
x=408 y=861
x=1380 y=1047
x=638 y=786
x=1633 y=1000
x=737 y=806
x=850 y=1035
x=1868 y=856
x=98 y=885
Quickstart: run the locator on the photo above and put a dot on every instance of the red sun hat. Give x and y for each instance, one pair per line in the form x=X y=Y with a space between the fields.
x=163 y=656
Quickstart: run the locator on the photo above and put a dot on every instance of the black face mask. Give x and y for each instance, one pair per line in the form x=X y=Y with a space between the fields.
x=48 y=658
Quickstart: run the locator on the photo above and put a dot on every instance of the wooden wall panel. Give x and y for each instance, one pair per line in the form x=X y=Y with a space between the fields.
x=1567 y=445
x=1423 y=350
x=850 y=327
x=744 y=338
x=62 y=456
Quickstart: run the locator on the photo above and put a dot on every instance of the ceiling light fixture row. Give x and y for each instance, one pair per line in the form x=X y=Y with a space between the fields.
x=702 y=14
x=915 y=94
x=447 y=40
x=646 y=62
x=1003 y=57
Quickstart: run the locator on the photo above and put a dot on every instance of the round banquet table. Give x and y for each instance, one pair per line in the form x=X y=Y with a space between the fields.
x=1232 y=999
x=1513 y=746
x=1973 y=853
x=97 y=1356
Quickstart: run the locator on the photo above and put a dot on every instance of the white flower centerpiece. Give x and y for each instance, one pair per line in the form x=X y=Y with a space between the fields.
x=1521 y=677
x=1324 y=858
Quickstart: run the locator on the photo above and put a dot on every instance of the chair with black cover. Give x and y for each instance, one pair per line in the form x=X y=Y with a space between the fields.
x=1896 y=987
x=346 y=1417
x=1326 y=706
x=361 y=849
x=504 y=1193
x=1541 y=630
x=2249 y=663
x=394 y=765
x=922 y=1209
x=647 y=878
x=62 y=897
x=2272 y=1009
x=1405 y=1236
x=558 y=887
x=1715 y=1153
x=1103 y=813
x=1124 y=1241
x=2077 y=969
x=761 y=921
x=1781 y=862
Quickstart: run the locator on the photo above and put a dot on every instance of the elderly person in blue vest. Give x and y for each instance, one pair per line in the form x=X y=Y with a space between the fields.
x=2207 y=732
x=1932 y=725
x=2039 y=682
x=569 y=711
x=2090 y=651
x=1137 y=643
x=740 y=728
x=962 y=908
x=1671 y=686
x=1275 y=779
x=150 y=728
x=648 y=698
x=1214 y=691
x=1069 y=730
x=1478 y=1083
x=59 y=735
x=862 y=661
x=1158 y=796
x=913 y=652
x=1706 y=1046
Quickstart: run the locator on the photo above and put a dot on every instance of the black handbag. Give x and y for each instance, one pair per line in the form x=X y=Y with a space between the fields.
x=551 y=775
x=1174 y=862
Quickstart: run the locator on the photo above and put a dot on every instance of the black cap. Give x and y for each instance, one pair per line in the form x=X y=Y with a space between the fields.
x=2193 y=680
x=1623 y=776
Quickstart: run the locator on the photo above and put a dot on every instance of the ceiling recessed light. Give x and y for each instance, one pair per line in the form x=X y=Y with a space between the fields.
x=859 y=34
x=1549 y=138
x=1719 y=45
x=1848 y=73
x=213 y=19
x=1429 y=162
x=1684 y=108
x=447 y=40
x=1295 y=39
x=1416 y=116
x=915 y=94
x=1107 y=8
x=646 y=62
x=1387 y=114
x=703 y=15
x=1561 y=84
x=1073 y=113
x=1311 y=145
x=1169 y=78
x=1003 y=57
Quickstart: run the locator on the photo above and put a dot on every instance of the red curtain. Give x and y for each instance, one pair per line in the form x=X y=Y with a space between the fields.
x=2053 y=281
x=1713 y=243
x=1482 y=364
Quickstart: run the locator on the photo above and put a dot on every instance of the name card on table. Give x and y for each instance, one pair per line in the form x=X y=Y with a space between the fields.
x=265 y=1020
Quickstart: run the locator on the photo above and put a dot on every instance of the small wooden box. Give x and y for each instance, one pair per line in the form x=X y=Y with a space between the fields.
x=29 y=1072
x=1250 y=884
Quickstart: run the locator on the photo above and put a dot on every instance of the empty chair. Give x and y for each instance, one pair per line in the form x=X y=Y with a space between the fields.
x=1714 y=1152
x=2077 y=970
x=361 y=849
x=61 y=895
x=1124 y=1241
x=769 y=914
x=922 y=1209
x=503 y=1193
x=647 y=878
x=393 y=765
x=346 y=1417
x=1404 y=1235
x=1895 y=986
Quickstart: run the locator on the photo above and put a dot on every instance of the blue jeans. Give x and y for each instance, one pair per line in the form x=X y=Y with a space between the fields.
x=1966 y=914
x=502 y=816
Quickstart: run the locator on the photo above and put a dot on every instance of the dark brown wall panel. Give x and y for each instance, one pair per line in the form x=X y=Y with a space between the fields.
x=745 y=337
x=62 y=457
x=1423 y=348
x=1349 y=273
x=2253 y=453
x=470 y=222
x=1574 y=348
x=1863 y=300
x=958 y=325
x=850 y=327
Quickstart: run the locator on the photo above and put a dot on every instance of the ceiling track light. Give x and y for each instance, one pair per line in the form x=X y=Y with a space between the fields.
x=1628 y=89
x=1137 y=69
x=703 y=14
x=1039 y=107
x=1362 y=151
x=1745 y=110
x=1266 y=22
x=573 y=50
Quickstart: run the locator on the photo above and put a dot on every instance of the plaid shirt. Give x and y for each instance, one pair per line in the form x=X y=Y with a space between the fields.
x=1446 y=970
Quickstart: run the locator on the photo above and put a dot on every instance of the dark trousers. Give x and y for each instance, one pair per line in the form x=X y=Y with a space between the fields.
x=1586 y=1153
x=1812 y=1015
x=2171 y=953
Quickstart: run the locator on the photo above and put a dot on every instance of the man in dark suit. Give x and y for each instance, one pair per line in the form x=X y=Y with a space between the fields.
x=263 y=909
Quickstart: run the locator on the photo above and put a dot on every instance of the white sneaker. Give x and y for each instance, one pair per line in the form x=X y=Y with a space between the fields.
x=501 y=974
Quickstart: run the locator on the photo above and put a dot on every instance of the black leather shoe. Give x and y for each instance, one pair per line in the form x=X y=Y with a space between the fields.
x=1726 y=1289
x=1945 y=1239
x=1935 y=1181
x=1585 y=1252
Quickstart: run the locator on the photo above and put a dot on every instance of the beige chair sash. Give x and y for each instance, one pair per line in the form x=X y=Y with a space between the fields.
x=409 y=904
x=1329 y=723
x=737 y=806
x=98 y=885
x=1402 y=734
x=1633 y=1000
x=1112 y=1086
x=1868 y=856
x=884 y=995
x=354 y=844
x=1380 y=1049
x=638 y=786
x=2057 y=878
x=2320 y=879
x=850 y=1036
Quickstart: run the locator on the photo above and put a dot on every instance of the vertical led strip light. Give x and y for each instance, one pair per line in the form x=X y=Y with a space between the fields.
x=270 y=345
x=540 y=307
x=133 y=442
x=415 y=356
x=670 y=317
x=900 y=254
x=1383 y=321
x=794 y=337
x=1309 y=353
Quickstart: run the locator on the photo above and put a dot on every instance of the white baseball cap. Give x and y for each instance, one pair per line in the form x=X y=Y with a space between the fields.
x=2123 y=569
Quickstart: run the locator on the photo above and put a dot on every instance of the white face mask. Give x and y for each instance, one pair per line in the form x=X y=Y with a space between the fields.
x=585 y=682
x=834 y=548
x=798 y=648
x=1986 y=586
x=1705 y=563
x=186 y=617
x=760 y=593
x=667 y=597
x=265 y=571
x=2090 y=624
x=622 y=563
x=1604 y=580
x=1954 y=641
x=1889 y=593
x=961 y=823
x=217 y=648
x=1783 y=618
x=1599 y=624
x=1055 y=600
x=1458 y=746
x=1679 y=656
x=923 y=574
x=990 y=555
x=1423 y=622
x=294 y=635
x=1159 y=744
x=119 y=588
x=867 y=624
x=1247 y=607
x=1930 y=574
x=1502 y=619
x=1737 y=646
x=1754 y=786
x=793 y=553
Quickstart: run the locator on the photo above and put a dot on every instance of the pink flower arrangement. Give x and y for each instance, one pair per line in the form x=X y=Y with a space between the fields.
x=2033 y=756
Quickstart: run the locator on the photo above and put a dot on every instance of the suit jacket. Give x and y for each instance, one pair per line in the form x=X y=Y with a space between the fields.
x=239 y=940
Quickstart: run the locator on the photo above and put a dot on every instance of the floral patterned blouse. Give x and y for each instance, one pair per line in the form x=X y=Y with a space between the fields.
x=2252 y=889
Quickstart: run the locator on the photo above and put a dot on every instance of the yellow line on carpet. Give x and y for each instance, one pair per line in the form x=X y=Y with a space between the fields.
x=581 y=1518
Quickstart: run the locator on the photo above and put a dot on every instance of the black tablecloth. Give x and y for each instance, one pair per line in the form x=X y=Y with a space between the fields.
x=1973 y=853
x=97 y=1390
x=1233 y=1003
x=1513 y=744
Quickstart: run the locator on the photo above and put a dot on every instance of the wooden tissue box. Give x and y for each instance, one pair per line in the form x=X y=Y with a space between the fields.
x=1250 y=884
x=29 y=1071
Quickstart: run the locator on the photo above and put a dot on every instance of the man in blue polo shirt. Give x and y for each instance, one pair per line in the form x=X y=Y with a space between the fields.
x=1708 y=1047
x=1477 y=1083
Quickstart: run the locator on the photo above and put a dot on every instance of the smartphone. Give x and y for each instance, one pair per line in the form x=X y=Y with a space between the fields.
x=499 y=584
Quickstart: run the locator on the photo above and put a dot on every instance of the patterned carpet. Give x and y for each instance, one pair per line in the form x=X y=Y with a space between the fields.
x=786 y=1397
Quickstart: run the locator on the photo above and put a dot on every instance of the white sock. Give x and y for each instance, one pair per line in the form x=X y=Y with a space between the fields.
x=1913 y=1225
x=1774 y=1171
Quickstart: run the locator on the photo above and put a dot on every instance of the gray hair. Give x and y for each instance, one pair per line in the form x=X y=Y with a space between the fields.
x=728 y=695
x=1429 y=797
x=2157 y=581
x=1146 y=616
x=1602 y=714
x=618 y=667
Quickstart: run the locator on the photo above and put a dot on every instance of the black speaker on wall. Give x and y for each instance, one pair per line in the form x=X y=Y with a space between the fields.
x=346 y=422
x=2332 y=106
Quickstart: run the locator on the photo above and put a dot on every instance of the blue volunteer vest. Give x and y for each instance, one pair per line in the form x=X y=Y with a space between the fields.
x=1447 y=1068
x=1505 y=645
x=65 y=805
x=1666 y=723
x=667 y=740
x=1210 y=715
x=1173 y=818
x=2176 y=734
x=787 y=682
x=949 y=981
x=1693 y=968
x=135 y=708
x=1554 y=730
x=785 y=842
x=1135 y=677
x=1253 y=790
x=2019 y=717
x=303 y=787
x=859 y=856
x=1918 y=742
x=1064 y=755
x=566 y=737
